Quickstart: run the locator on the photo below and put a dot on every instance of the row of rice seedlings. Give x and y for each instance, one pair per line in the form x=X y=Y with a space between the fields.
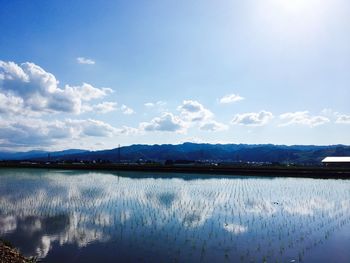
x=243 y=218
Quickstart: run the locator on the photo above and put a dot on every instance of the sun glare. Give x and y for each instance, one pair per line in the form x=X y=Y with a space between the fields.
x=295 y=6
x=292 y=20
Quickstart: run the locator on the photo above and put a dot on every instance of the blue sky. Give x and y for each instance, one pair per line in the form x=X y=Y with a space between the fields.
x=95 y=74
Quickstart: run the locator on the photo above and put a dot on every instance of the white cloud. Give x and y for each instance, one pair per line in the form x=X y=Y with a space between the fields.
x=103 y=107
x=126 y=110
x=230 y=98
x=303 y=118
x=343 y=119
x=28 y=94
x=28 y=88
x=10 y=70
x=193 y=111
x=87 y=92
x=149 y=104
x=167 y=122
x=125 y=130
x=329 y=112
x=337 y=116
x=27 y=132
x=87 y=61
x=212 y=125
x=106 y=107
x=253 y=118
x=91 y=127
x=159 y=103
x=10 y=104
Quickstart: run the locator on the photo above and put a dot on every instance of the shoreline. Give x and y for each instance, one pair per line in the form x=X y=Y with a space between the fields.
x=9 y=254
x=303 y=172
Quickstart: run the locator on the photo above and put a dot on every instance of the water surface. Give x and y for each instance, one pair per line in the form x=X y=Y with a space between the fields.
x=72 y=216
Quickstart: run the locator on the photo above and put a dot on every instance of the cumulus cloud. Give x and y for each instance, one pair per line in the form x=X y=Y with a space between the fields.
x=103 y=107
x=328 y=112
x=29 y=132
x=106 y=107
x=159 y=103
x=167 y=122
x=126 y=110
x=212 y=125
x=343 y=119
x=90 y=127
x=28 y=94
x=193 y=111
x=28 y=88
x=303 y=118
x=34 y=132
x=338 y=117
x=87 y=61
x=87 y=92
x=253 y=118
x=149 y=104
x=10 y=104
x=126 y=130
x=230 y=98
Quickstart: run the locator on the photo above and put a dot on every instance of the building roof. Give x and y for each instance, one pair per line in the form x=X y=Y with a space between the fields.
x=340 y=159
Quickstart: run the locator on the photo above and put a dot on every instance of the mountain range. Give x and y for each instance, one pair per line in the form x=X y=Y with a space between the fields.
x=298 y=154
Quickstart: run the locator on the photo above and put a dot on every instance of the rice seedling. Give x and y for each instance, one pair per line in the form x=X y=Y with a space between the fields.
x=232 y=219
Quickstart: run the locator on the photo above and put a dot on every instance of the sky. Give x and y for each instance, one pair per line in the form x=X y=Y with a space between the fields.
x=95 y=74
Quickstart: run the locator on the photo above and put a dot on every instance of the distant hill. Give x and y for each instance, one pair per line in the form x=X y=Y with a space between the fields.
x=299 y=154
x=31 y=155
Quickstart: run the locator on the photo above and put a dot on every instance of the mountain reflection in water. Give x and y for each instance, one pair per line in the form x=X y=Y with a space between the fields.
x=88 y=216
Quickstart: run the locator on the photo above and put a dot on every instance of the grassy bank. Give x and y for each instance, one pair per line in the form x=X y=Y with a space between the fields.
x=9 y=254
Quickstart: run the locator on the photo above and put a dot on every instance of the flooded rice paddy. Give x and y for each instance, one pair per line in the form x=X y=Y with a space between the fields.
x=71 y=216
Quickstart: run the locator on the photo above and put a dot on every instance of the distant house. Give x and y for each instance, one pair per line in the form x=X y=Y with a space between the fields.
x=341 y=161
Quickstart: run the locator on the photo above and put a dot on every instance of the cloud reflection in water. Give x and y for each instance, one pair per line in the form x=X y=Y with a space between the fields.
x=42 y=210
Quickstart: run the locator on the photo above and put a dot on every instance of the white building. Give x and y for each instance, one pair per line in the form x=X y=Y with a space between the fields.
x=341 y=161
